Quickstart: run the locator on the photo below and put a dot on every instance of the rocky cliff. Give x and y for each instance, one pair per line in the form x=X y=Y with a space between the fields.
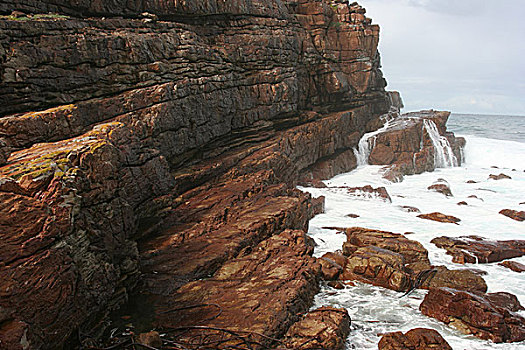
x=147 y=145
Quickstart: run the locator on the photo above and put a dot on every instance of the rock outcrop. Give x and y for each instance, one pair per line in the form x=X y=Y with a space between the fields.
x=482 y=316
x=513 y=214
x=143 y=154
x=410 y=144
x=475 y=249
x=414 y=339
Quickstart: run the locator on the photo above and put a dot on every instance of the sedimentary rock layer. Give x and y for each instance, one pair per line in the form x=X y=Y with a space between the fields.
x=141 y=153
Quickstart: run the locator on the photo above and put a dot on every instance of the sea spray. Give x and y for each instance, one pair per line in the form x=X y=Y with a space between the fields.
x=367 y=142
x=443 y=155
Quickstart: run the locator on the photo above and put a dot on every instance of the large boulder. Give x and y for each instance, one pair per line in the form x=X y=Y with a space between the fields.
x=475 y=249
x=474 y=314
x=414 y=339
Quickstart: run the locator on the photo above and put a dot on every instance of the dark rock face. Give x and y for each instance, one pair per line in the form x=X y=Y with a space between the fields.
x=513 y=265
x=414 y=339
x=474 y=314
x=475 y=249
x=134 y=143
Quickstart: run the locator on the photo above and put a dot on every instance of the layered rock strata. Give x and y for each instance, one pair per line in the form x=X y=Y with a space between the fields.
x=147 y=154
x=409 y=144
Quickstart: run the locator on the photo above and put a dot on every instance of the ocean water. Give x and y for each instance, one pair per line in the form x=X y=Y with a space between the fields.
x=492 y=141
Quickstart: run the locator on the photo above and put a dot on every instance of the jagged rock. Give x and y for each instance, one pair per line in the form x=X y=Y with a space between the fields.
x=513 y=265
x=466 y=280
x=505 y=300
x=377 y=266
x=414 y=339
x=358 y=237
x=474 y=314
x=514 y=214
x=439 y=217
x=332 y=265
x=501 y=176
x=278 y=278
x=400 y=145
x=323 y=328
x=475 y=249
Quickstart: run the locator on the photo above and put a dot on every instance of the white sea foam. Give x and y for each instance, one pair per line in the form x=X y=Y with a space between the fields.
x=375 y=310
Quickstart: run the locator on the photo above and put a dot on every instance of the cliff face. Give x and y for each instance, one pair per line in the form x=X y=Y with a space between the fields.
x=184 y=129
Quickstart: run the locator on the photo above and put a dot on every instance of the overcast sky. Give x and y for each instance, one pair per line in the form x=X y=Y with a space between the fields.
x=467 y=56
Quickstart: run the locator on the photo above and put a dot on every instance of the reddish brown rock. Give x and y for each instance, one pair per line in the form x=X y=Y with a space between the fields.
x=439 y=217
x=466 y=280
x=379 y=267
x=441 y=187
x=358 y=237
x=474 y=196
x=332 y=265
x=414 y=339
x=462 y=203
x=513 y=214
x=336 y=284
x=323 y=328
x=400 y=144
x=410 y=209
x=513 y=265
x=505 y=300
x=474 y=314
x=472 y=182
x=353 y=216
x=475 y=249
x=499 y=177
x=151 y=339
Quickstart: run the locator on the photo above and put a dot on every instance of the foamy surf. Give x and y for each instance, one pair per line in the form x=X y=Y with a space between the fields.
x=375 y=310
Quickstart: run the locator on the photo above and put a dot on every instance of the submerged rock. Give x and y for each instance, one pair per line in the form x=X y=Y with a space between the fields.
x=475 y=249
x=513 y=214
x=414 y=339
x=513 y=265
x=475 y=314
x=499 y=177
x=441 y=187
x=439 y=217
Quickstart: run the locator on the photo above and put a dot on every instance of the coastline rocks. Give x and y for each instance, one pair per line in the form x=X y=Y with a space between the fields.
x=408 y=144
x=462 y=203
x=323 y=328
x=513 y=265
x=409 y=209
x=441 y=186
x=370 y=192
x=513 y=214
x=414 y=339
x=278 y=278
x=499 y=177
x=474 y=314
x=439 y=217
x=332 y=265
x=377 y=266
x=475 y=249
x=466 y=280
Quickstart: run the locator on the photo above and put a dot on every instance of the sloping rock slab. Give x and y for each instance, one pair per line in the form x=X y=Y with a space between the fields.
x=323 y=328
x=474 y=314
x=260 y=293
x=475 y=249
x=414 y=339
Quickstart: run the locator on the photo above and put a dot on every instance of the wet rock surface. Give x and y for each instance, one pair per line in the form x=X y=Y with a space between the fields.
x=475 y=249
x=513 y=214
x=323 y=328
x=441 y=187
x=440 y=217
x=513 y=265
x=407 y=145
x=414 y=339
x=500 y=176
x=474 y=314
x=172 y=133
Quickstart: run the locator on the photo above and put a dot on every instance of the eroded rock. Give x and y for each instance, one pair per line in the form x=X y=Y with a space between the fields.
x=414 y=339
x=474 y=314
x=475 y=249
